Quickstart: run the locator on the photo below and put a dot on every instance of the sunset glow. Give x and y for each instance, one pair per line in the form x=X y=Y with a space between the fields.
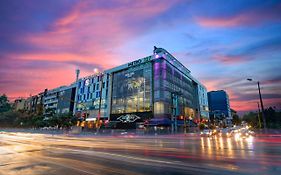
x=223 y=43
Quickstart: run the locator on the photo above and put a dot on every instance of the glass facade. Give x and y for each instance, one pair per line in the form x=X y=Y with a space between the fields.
x=168 y=82
x=132 y=91
x=92 y=98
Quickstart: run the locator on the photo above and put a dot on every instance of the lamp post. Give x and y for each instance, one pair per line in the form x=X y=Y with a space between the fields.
x=262 y=108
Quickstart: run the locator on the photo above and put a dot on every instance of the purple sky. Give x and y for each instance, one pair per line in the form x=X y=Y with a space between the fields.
x=222 y=42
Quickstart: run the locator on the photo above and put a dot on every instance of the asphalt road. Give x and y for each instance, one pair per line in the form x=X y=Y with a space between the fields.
x=31 y=153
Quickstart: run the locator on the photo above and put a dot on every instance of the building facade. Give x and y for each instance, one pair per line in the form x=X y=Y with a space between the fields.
x=219 y=105
x=19 y=104
x=203 y=101
x=157 y=86
x=92 y=96
x=59 y=100
x=66 y=97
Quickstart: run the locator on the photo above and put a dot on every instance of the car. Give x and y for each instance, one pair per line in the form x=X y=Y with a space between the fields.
x=226 y=132
x=206 y=132
x=244 y=133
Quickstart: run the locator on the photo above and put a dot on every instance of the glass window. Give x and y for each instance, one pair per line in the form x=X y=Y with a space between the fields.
x=97 y=94
x=131 y=90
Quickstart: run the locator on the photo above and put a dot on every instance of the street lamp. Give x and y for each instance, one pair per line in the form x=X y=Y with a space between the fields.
x=262 y=108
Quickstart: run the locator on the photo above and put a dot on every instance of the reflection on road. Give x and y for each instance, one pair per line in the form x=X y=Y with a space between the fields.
x=23 y=153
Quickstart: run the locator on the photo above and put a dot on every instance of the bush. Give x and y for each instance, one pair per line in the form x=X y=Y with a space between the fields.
x=202 y=126
x=9 y=119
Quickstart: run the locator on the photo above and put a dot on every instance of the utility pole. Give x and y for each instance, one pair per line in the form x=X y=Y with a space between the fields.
x=261 y=102
x=259 y=114
x=262 y=108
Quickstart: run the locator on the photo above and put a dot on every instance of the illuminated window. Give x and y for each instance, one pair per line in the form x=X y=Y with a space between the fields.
x=158 y=107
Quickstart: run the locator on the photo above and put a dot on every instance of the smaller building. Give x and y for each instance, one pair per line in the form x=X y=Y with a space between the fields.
x=59 y=100
x=219 y=106
x=19 y=104
x=28 y=104
x=203 y=102
x=66 y=97
x=92 y=96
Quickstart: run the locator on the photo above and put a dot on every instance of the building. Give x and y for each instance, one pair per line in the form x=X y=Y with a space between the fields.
x=59 y=100
x=203 y=101
x=154 y=87
x=19 y=104
x=92 y=97
x=66 y=97
x=28 y=104
x=219 y=105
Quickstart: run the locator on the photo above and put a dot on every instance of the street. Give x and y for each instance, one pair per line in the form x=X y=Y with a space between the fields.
x=34 y=153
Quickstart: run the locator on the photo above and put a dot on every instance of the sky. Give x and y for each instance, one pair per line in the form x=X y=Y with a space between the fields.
x=222 y=42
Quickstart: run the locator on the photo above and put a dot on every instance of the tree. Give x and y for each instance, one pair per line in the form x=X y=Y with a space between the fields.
x=252 y=119
x=4 y=104
x=9 y=118
x=273 y=118
x=236 y=119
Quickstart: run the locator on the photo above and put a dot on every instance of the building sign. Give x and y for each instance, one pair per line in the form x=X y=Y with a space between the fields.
x=128 y=118
x=139 y=61
x=87 y=82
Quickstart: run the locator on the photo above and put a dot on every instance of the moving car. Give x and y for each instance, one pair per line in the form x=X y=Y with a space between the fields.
x=206 y=132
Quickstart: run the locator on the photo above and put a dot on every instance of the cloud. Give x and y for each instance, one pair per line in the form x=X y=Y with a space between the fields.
x=250 y=17
x=250 y=52
x=230 y=59
x=84 y=35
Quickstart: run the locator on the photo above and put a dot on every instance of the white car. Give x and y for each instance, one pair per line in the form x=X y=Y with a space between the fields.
x=206 y=132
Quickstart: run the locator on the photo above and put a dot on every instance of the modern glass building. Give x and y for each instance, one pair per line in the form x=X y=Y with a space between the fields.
x=155 y=87
x=219 y=105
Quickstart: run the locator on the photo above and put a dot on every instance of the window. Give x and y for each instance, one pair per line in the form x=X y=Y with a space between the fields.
x=158 y=108
x=131 y=91
x=97 y=94
x=98 y=87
